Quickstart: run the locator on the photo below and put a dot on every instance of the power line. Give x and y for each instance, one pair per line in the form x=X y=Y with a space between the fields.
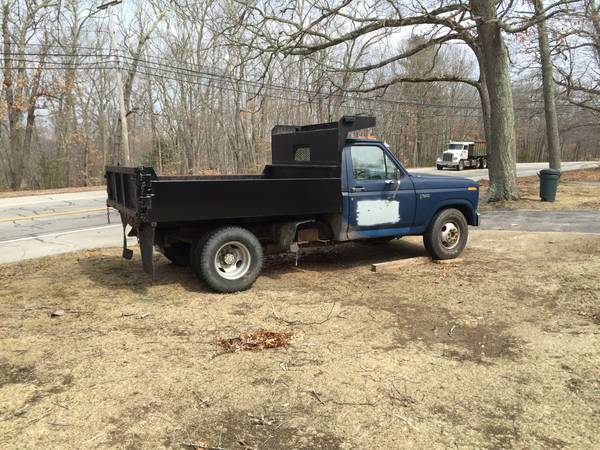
x=105 y=61
x=207 y=74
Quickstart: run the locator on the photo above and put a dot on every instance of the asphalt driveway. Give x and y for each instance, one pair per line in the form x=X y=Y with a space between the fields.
x=530 y=220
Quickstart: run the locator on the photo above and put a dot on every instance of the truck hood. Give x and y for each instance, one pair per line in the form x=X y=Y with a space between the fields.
x=440 y=181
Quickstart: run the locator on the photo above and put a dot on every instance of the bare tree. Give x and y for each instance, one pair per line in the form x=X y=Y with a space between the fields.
x=22 y=87
x=206 y=80
x=481 y=24
x=552 y=136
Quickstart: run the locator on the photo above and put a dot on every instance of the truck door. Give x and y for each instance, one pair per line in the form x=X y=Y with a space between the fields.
x=381 y=195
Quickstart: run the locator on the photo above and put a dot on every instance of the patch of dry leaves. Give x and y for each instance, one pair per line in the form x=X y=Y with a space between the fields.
x=256 y=341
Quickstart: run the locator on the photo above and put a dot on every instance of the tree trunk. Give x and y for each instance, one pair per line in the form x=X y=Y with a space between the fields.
x=552 y=135
x=486 y=112
x=502 y=152
x=14 y=163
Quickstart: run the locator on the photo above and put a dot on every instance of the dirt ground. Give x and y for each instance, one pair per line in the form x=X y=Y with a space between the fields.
x=577 y=190
x=501 y=350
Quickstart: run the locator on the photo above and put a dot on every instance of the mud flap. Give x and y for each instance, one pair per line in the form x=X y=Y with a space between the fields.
x=127 y=253
x=146 y=240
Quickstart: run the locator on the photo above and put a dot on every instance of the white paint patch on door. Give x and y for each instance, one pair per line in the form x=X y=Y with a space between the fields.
x=377 y=212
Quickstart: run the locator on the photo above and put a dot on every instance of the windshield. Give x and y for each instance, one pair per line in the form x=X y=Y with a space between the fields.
x=455 y=146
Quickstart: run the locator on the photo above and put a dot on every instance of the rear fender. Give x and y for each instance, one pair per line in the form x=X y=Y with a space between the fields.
x=284 y=233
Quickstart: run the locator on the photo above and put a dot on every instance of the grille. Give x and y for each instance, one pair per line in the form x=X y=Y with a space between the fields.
x=447 y=157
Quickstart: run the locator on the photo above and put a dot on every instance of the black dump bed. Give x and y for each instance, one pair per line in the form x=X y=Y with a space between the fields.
x=304 y=178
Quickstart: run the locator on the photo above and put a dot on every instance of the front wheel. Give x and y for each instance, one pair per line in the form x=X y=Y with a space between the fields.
x=229 y=259
x=461 y=165
x=440 y=167
x=447 y=234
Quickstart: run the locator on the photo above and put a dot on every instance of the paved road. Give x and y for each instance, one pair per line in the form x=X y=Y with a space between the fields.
x=42 y=225
x=523 y=169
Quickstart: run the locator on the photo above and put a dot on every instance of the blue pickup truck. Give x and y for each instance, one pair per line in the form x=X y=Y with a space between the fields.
x=321 y=188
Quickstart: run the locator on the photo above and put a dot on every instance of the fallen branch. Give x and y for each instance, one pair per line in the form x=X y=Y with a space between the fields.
x=200 y=446
x=353 y=403
x=404 y=419
x=301 y=322
x=317 y=396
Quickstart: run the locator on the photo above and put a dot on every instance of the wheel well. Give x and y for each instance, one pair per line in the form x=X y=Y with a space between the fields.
x=464 y=209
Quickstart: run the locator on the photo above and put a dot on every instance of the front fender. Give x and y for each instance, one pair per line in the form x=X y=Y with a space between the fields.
x=463 y=205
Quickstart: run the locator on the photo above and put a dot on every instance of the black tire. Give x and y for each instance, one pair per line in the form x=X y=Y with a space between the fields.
x=484 y=163
x=178 y=253
x=196 y=251
x=243 y=250
x=433 y=239
x=461 y=165
x=478 y=164
x=440 y=167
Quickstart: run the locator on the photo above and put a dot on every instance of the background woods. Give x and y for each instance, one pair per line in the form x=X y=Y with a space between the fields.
x=205 y=81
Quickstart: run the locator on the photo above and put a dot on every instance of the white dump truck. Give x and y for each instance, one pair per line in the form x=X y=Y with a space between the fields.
x=464 y=154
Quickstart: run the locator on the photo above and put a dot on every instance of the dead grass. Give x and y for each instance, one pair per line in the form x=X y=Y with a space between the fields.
x=577 y=190
x=499 y=351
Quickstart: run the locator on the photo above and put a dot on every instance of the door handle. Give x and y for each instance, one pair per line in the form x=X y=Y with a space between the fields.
x=389 y=181
x=358 y=189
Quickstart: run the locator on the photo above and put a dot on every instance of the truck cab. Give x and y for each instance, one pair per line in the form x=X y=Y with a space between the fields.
x=322 y=188
x=381 y=198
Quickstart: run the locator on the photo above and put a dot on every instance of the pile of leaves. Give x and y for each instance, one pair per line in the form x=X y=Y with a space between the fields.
x=256 y=341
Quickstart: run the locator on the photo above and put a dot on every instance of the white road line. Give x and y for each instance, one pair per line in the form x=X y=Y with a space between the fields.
x=59 y=233
x=17 y=204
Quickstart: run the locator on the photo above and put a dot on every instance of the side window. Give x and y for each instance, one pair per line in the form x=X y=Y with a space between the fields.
x=392 y=171
x=368 y=163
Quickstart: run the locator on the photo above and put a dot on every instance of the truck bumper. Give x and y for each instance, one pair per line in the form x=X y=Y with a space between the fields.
x=447 y=164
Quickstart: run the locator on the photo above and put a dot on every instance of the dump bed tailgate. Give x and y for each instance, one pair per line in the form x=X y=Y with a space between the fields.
x=129 y=190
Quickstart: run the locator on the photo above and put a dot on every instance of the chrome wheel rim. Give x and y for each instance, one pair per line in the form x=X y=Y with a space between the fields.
x=232 y=260
x=450 y=235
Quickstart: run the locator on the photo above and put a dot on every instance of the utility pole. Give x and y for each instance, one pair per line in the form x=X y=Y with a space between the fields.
x=123 y=114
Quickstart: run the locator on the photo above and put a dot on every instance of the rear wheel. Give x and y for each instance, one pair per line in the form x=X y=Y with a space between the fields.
x=229 y=259
x=447 y=234
x=178 y=253
x=484 y=163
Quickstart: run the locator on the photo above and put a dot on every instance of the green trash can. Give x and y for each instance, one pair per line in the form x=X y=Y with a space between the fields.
x=548 y=184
